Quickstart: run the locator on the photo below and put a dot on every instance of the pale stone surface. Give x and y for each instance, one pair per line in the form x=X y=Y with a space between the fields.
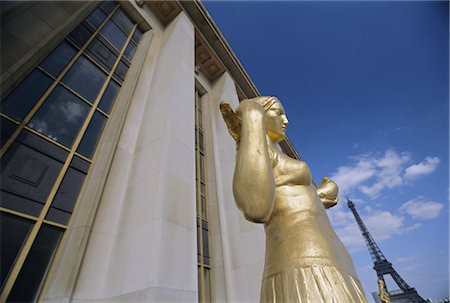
x=143 y=244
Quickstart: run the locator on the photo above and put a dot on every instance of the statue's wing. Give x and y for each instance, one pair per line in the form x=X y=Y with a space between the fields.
x=231 y=120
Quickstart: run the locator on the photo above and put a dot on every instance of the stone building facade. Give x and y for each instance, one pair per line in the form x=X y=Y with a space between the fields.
x=116 y=164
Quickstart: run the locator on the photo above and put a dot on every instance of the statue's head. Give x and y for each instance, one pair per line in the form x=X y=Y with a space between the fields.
x=276 y=120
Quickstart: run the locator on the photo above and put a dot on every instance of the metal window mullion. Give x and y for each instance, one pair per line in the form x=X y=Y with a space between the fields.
x=33 y=233
x=9 y=118
x=48 y=222
x=47 y=138
x=93 y=61
x=41 y=100
x=18 y=214
x=199 y=211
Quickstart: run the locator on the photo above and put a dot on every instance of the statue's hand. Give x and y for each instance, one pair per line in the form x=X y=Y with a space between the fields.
x=328 y=192
x=232 y=121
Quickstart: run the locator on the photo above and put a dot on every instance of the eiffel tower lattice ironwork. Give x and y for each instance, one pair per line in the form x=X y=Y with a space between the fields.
x=383 y=267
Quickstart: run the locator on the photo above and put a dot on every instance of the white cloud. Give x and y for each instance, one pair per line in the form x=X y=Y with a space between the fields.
x=425 y=167
x=420 y=208
x=348 y=177
x=404 y=259
x=371 y=174
x=351 y=236
x=388 y=173
x=72 y=112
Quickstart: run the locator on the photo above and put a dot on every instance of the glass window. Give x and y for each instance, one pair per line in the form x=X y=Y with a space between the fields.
x=200 y=139
x=207 y=284
x=96 y=18
x=203 y=206
x=202 y=168
x=66 y=197
x=92 y=135
x=109 y=96
x=102 y=54
x=137 y=35
x=114 y=35
x=28 y=175
x=58 y=59
x=129 y=52
x=80 y=34
x=108 y=6
x=61 y=116
x=80 y=164
x=13 y=232
x=123 y=21
x=22 y=99
x=121 y=70
x=7 y=129
x=85 y=78
x=205 y=246
x=36 y=264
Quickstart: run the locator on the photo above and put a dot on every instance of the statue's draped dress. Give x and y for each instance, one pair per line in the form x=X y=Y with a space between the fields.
x=305 y=260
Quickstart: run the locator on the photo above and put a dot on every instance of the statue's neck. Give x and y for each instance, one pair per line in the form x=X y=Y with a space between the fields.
x=273 y=145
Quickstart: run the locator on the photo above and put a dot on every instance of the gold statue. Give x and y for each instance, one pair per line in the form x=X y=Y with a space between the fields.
x=383 y=294
x=305 y=261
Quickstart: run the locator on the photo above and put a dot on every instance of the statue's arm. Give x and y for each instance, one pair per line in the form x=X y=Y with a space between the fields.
x=253 y=182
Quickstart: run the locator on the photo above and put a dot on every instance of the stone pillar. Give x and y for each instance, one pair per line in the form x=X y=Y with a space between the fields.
x=143 y=243
x=241 y=243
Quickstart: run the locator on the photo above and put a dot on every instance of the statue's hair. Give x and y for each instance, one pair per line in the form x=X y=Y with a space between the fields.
x=266 y=101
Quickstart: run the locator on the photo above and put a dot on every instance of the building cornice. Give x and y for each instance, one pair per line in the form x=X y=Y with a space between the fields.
x=213 y=54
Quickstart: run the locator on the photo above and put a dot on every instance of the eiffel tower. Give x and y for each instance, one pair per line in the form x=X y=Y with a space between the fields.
x=382 y=266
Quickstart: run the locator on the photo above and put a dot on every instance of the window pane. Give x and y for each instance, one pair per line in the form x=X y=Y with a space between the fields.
x=205 y=244
x=114 y=35
x=85 y=78
x=13 y=231
x=198 y=240
x=93 y=132
x=137 y=35
x=28 y=282
x=108 y=6
x=58 y=59
x=7 y=129
x=129 y=52
x=22 y=99
x=102 y=54
x=109 y=96
x=80 y=164
x=121 y=70
x=207 y=285
x=96 y=18
x=203 y=206
x=28 y=176
x=202 y=168
x=61 y=116
x=80 y=34
x=66 y=197
x=123 y=21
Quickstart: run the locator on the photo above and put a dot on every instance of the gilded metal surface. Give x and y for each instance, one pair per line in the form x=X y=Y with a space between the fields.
x=384 y=295
x=305 y=260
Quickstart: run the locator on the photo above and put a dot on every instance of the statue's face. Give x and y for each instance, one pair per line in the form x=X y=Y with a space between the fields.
x=276 y=122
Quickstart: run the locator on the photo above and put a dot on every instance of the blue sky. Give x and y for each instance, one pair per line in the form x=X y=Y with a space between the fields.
x=365 y=88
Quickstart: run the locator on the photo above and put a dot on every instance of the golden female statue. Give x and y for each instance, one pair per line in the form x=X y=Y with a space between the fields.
x=305 y=261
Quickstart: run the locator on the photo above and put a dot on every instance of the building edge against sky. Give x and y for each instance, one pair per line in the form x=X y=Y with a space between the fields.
x=122 y=212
